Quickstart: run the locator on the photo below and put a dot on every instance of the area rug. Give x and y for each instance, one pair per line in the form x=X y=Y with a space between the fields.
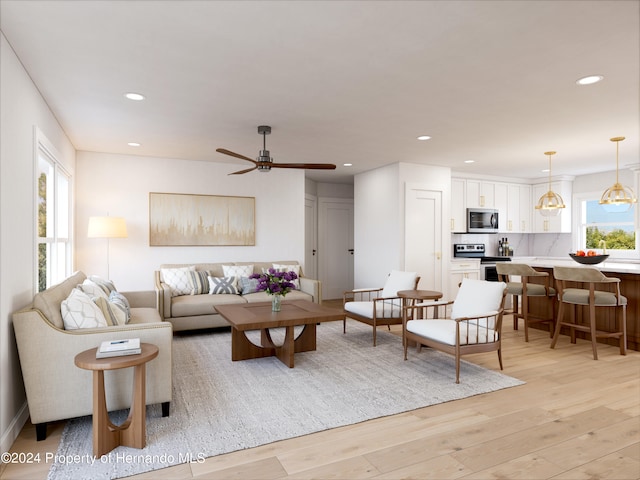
x=220 y=406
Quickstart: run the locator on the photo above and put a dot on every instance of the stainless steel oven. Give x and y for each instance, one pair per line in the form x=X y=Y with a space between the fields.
x=488 y=269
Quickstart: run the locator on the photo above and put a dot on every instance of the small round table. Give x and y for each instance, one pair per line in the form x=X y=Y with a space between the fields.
x=133 y=432
x=420 y=295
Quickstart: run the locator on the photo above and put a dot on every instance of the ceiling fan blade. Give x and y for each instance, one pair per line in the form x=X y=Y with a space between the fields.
x=244 y=171
x=233 y=154
x=311 y=166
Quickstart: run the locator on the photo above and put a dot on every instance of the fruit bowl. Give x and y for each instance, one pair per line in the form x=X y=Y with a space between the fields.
x=592 y=260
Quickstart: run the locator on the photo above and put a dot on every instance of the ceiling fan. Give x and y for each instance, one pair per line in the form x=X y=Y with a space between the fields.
x=264 y=162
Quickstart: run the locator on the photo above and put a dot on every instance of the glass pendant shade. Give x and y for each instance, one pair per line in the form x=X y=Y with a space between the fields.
x=617 y=198
x=551 y=203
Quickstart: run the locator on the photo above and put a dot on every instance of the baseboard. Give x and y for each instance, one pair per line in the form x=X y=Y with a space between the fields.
x=15 y=427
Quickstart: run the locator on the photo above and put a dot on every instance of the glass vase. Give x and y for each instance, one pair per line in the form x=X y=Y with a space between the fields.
x=276 y=303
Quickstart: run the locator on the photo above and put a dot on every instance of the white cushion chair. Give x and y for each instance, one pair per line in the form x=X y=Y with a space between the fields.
x=379 y=306
x=474 y=326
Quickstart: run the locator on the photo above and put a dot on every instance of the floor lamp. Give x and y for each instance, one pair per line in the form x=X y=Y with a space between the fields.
x=107 y=227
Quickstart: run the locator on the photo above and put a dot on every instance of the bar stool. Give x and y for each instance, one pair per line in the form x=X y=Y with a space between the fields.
x=525 y=290
x=592 y=298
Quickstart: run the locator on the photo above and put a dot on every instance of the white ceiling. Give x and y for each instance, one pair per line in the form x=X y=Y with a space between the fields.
x=342 y=81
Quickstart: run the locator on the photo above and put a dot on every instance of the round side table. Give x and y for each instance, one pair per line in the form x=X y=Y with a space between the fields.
x=133 y=432
x=420 y=295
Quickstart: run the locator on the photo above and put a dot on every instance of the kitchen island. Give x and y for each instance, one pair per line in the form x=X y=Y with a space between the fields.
x=629 y=274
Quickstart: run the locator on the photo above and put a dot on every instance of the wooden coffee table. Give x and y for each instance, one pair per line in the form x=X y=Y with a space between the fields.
x=258 y=316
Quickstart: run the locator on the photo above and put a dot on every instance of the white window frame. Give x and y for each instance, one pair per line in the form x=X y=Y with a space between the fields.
x=579 y=229
x=56 y=271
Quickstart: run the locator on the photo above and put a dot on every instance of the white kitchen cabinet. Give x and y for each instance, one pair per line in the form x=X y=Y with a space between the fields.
x=501 y=203
x=560 y=223
x=460 y=269
x=458 y=206
x=480 y=194
x=518 y=212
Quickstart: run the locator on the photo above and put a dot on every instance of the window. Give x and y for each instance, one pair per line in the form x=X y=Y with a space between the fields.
x=603 y=228
x=53 y=201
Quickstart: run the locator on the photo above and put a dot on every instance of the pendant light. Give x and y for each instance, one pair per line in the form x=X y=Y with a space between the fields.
x=550 y=204
x=617 y=198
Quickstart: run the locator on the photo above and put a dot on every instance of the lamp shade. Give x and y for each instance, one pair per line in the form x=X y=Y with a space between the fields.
x=107 y=227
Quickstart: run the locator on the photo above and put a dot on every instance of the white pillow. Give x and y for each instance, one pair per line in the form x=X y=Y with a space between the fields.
x=290 y=268
x=107 y=286
x=178 y=279
x=92 y=289
x=79 y=311
x=476 y=297
x=237 y=270
x=398 y=280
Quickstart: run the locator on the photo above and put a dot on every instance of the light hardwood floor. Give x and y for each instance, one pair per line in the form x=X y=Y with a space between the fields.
x=575 y=418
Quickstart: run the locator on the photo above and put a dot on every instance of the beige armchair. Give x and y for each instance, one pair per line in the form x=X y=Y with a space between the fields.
x=56 y=389
x=474 y=326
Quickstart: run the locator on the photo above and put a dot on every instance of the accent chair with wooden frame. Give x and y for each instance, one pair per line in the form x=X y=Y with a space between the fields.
x=607 y=295
x=474 y=326
x=525 y=289
x=379 y=306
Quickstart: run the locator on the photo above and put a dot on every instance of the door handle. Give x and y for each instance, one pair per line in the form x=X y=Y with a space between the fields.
x=350 y=251
x=313 y=252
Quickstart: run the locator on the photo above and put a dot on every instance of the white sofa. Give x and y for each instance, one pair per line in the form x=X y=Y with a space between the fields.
x=57 y=389
x=190 y=312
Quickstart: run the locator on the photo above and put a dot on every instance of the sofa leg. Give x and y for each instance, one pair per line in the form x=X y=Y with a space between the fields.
x=165 y=409
x=41 y=431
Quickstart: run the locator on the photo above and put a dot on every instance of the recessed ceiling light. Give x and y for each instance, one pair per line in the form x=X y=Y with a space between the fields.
x=469 y=161
x=546 y=170
x=347 y=164
x=589 y=80
x=133 y=144
x=134 y=96
x=424 y=137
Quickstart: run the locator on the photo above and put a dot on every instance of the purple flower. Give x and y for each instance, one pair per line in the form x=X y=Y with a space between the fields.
x=275 y=282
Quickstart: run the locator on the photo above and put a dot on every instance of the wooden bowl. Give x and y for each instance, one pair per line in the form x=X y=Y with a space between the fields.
x=593 y=260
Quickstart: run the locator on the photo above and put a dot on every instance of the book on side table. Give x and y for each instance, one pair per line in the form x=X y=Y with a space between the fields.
x=117 y=348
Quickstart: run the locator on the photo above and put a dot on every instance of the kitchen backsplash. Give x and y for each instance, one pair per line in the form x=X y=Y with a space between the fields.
x=523 y=244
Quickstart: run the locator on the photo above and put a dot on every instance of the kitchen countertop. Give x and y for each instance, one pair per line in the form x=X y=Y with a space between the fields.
x=608 y=266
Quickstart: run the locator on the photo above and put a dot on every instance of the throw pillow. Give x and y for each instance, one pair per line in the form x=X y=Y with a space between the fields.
x=218 y=285
x=237 y=270
x=290 y=268
x=79 y=311
x=107 y=286
x=199 y=282
x=112 y=312
x=122 y=303
x=477 y=297
x=178 y=279
x=248 y=285
x=92 y=289
x=398 y=280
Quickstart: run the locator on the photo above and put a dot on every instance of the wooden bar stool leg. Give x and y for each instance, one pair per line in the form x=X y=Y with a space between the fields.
x=556 y=331
x=525 y=316
x=623 y=337
x=592 y=326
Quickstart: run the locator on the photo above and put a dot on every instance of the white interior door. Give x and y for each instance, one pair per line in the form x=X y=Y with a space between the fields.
x=335 y=241
x=310 y=237
x=423 y=236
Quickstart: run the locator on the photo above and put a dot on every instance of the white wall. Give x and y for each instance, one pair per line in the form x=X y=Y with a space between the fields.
x=379 y=217
x=21 y=109
x=120 y=184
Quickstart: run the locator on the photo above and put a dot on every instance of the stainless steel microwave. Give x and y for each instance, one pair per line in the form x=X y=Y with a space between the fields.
x=482 y=220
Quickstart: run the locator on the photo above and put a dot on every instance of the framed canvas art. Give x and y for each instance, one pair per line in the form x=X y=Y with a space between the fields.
x=177 y=219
